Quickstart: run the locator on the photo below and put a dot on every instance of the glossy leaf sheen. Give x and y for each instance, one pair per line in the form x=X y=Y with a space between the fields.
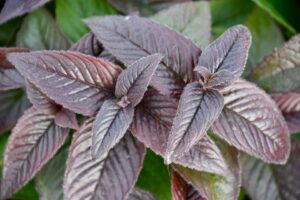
x=289 y=104
x=109 y=178
x=279 y=71
x=139 y=194
x=111 y=124
x=229 y=51
x=74 y=80
x=131 y=38
x=191 y=19
x=134 y=80
x=14 y=8
x=49 y=181
x=197 y=110
x=34 y=140
x=39 y=31
x=251 y=122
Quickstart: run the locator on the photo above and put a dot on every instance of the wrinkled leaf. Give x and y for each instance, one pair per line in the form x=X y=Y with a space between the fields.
x=251 y=122
x=14 y=8
x=229 y=51
x=88 y=44
x=270 y=182
x=111 y=177
x=139 y=194
x=12 y=106
x=76 y=81
x=131 y=38
x=39 y=31
x=34 y=140
x=70 y=13
x=134 y=80
x=289 y=104
x=279 y=71
x=191 y=19
x=197 y=110
x=49 y=181
x=111 y=124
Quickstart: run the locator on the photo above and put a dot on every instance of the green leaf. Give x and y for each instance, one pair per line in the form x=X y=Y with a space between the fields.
x=285 y=12
x=155 y=177
x=69 y=14
x=192 y=19
x=265 y=36
x=8 y=32
x=39 y=31
x=49 y=181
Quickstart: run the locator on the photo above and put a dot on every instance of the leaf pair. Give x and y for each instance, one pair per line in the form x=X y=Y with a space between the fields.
x=115 y=115
x=200 y=103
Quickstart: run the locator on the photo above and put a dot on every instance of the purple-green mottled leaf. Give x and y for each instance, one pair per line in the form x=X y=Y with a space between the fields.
x=229 y=51
x=133 y=81
x=111 y=124
x=49 y=181
x=76 y=81
x=34 y=140
x=279 y=71
x=197 y=110
x=14 y=8
x=39 y=31
x=131 y=38
x=139 y=194
x=289 y=104
x=13 y=103
x=270 y=182
x=251 y=122
x=110 y=177
x=88 y=44
x=191 y=19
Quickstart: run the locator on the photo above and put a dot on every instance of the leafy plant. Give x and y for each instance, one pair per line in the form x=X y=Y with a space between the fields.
x=134 y=83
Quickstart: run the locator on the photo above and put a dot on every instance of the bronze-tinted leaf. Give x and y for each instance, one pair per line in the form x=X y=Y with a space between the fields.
x=4 y=63
x=191 y=19
x=197 y=110
x=252 y=123
x=289 y=104
x=76 y=81
x=229 y=51
x=110 y=177
x=14 y=8
x=111 y=124
x=139 y=194
x=134 y=80
x=12 y=106
x=39 y=31
x=279 y=71
x=270 y=182
x=34 y=140
x=49 y=181
x=88 y=44
x=131 y=38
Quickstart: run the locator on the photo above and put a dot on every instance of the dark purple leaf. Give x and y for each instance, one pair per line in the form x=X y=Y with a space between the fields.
x=12 y=106
x=289 y=104
x=14 y=8
x=34 y=140
x=133 y=81
x=279 y=71
x=76 y=81
x=10 y=79
x=131 y=38
x=269 y=182
x=66 y=118
x=4 y=63
x=230 y=51
x=88 y=44
x=111 y=124
x=220 y=79
x=197 y=110
x=139 y=194
x=111 y=177
x=251 y=122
